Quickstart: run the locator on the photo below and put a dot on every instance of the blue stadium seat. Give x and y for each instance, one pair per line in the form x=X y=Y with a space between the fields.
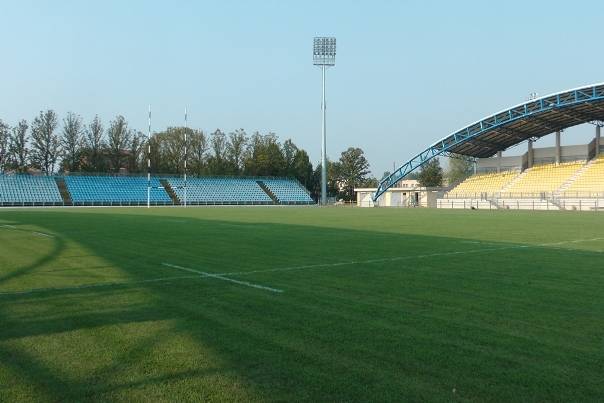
x=220 y=191
x=19 y=189
x=114 y=190
x=288 y=191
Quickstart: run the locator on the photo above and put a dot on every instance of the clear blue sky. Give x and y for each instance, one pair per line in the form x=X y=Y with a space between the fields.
x=407 y=73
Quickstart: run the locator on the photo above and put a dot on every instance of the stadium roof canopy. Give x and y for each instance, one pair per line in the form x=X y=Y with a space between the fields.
x=530 y=120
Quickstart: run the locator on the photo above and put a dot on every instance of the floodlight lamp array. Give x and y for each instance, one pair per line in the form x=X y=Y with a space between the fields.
x=324 y=51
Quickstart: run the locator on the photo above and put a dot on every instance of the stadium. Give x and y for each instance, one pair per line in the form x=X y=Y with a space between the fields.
x=551 y=178
x=178 y=265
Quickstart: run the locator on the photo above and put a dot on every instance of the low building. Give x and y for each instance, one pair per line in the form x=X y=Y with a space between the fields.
x=407 y=193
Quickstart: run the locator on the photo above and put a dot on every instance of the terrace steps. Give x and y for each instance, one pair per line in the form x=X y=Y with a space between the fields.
x=170 y=191
x=513 y=182
x=65 y=195
x=268 y=192
x=568 y=183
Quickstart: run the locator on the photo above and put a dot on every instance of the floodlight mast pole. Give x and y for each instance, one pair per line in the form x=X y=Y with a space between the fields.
x=149 y=161
x=324 y=55
x=323 y=143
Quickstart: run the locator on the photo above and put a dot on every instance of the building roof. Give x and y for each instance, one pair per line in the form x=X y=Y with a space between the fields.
x=532 y=119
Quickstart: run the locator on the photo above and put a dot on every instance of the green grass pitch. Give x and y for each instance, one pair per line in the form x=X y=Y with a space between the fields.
x=301 y=304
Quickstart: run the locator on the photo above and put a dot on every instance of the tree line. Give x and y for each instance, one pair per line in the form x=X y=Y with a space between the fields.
x=46 y=146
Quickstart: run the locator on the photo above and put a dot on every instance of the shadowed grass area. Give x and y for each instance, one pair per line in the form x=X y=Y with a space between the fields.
x=377 y=305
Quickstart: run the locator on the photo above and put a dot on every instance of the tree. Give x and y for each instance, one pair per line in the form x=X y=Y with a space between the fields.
x=168 y=150
x=118 y=136
x=71 y=142
x=289 y=153
x=17 y=147
x=460 y=168
x=236 y=149
x=302 y=168
x=217 y=163
x=431 y=174
x=198 y=147
x=136 y=151
x=45 y=142
x=369 y=183
x=275 y=161
x=333 y=185
x=94 y=143
x=4 y=144
x=353 y=170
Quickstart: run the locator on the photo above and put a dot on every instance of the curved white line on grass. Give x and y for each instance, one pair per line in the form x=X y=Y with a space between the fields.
x=222 y=277
x=28 y=231
x=42 y=234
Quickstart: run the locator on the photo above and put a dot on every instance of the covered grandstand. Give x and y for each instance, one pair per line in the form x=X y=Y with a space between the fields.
x=549 y=178
x=95 y=190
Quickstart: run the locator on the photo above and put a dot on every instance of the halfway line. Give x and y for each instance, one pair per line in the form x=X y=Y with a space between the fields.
x=222 y=277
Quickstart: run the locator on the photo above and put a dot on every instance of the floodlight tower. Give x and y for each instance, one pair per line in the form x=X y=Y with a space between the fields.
x=324 y=55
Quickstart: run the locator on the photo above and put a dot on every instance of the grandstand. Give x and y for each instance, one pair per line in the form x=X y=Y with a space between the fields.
x=545 y=178
x=556 y=178
x=286 y=191
x=220 y=190
x=111 y=190
x=29 y=190
x=590 y=181
x=483 y=183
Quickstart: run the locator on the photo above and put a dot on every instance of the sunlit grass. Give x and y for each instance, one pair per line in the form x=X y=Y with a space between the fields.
x=377 y=304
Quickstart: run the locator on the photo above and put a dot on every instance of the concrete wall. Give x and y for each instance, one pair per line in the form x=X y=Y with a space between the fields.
x=507 y=164
x=540 y=155
x=547 y=155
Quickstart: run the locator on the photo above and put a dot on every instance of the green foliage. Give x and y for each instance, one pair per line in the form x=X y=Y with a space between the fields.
x=431 y=174
x=460 y=168
x=352 y=171
x=71 y=142
x=118 y=136
x=18 y=151
x=94 y=148
x=4 y=145
x=94 y=145
x=301 y=168
x=45 y=142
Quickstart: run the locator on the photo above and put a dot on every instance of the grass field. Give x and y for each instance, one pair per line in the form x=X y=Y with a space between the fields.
x=301 y=304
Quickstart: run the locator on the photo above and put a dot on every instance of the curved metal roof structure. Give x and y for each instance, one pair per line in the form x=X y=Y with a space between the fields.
x=530 y=120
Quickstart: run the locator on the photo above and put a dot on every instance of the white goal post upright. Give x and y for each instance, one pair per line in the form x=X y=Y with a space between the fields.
x=149 y=161
x=185 y=163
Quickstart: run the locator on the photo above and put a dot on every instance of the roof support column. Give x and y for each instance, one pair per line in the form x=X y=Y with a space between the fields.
x=558 y=153
x=598 y=141
x=530 y=153
x=498 y=162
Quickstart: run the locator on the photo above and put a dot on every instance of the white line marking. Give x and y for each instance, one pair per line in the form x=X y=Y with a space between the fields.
x=42 y=234
x=397 y=258
x=95 y=285
x=222 y=277
x=28 y=231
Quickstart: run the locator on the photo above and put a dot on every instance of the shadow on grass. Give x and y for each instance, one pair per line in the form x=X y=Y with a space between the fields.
x=500 y=325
